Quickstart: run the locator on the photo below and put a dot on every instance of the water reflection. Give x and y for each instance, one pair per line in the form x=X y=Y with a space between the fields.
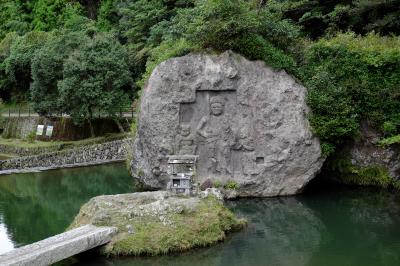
x=38 y=205
x=362 y=227
x=345 y=226
x=281 y=231
x=353 y=226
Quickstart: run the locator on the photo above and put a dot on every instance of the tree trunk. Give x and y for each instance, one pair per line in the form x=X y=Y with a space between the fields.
x=91 y=128
x=120 y=127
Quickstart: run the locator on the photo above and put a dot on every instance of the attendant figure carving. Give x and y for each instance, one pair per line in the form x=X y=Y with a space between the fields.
x=245 y=142
x=184 y=141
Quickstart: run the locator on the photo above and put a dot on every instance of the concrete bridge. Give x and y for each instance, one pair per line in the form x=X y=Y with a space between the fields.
x=59 y=247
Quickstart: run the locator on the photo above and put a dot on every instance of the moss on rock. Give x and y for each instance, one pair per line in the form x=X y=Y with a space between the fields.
x=342 y=170
x=155 y=223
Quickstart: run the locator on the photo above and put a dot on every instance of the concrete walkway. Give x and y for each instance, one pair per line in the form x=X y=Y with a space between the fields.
x=59 y=247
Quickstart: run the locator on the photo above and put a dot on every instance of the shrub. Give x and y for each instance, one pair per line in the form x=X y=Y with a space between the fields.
x=31 y=137
x=231 y=184
x=389 y=128
x=351 y=79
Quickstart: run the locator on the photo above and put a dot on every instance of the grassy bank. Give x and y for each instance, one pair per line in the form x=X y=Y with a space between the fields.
x=174 y=225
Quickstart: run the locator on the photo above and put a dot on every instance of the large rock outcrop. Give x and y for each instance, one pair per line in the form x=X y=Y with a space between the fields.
x=246 y=122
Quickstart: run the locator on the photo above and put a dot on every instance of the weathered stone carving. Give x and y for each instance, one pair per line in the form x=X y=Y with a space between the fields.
x=244 y=121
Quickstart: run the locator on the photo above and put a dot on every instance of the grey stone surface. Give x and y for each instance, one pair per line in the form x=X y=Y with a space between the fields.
x=87 y=155
x=246 y=122
x=59 y=247
x=365 y=152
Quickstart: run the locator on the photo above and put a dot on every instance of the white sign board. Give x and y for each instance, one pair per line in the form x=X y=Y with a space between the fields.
x=39 y=130
x=49 y=131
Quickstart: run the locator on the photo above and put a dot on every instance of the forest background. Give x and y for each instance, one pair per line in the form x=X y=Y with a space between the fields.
x=70 y=56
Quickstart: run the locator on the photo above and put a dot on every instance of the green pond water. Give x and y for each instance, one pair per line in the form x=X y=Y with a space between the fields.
x=335 y=226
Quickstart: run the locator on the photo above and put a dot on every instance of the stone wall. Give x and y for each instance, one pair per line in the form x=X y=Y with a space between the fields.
x=30 y=151
x=86 y=155
x=19 y=151
x=63 y=127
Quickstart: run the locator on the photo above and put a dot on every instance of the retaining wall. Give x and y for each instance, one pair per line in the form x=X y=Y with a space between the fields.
x=87 y=155
x=63 y=127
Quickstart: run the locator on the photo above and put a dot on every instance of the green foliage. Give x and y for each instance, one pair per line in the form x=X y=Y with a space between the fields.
x=341 y=168
x=17 y=65
x=14 y=17
x=133 y=128
x=107 y=16
x=95 y=76
x=350 y=79
x=238 y=26
x=48 y=67
x=6 y=83
x=217 y=184
x=319 y=18
x=51 y=14
x=390 y=141
x=231 y=184
x=31 y=137
x=389 y=128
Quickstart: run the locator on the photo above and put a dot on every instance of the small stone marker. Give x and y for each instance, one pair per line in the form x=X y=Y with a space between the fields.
x=39 y=131
x=49 y=131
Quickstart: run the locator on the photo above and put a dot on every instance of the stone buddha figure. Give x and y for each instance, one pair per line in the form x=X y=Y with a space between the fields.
x=216 y=132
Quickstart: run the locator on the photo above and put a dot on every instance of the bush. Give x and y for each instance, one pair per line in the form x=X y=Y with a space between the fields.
x=31 y=137
x=340 y=168
x=18 y=64
x=389 y=128
x=351 y=79
x=231 y=184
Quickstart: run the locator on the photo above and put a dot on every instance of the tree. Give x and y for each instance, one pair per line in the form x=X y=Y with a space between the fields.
x=47 y=69
x=18 y=64
x=6 y=83
x=51 y=14
x=96 y=77
x=14 y=17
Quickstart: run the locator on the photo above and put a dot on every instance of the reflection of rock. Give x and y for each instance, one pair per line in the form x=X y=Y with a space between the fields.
x=247 y=122
x=283 y=232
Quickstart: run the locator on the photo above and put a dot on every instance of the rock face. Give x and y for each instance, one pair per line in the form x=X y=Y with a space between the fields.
x=246 y=123
x=365 y=152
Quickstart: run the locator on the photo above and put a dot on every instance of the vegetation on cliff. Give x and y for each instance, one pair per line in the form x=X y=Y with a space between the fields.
x=346 y=52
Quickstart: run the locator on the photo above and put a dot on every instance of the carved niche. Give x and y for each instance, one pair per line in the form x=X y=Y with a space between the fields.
x=221 y=132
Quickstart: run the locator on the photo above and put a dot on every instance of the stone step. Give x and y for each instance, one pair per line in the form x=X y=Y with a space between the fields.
x=59 y=247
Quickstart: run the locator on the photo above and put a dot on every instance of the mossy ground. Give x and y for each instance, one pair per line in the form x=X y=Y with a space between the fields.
x=201 y=226
x=342 y=170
